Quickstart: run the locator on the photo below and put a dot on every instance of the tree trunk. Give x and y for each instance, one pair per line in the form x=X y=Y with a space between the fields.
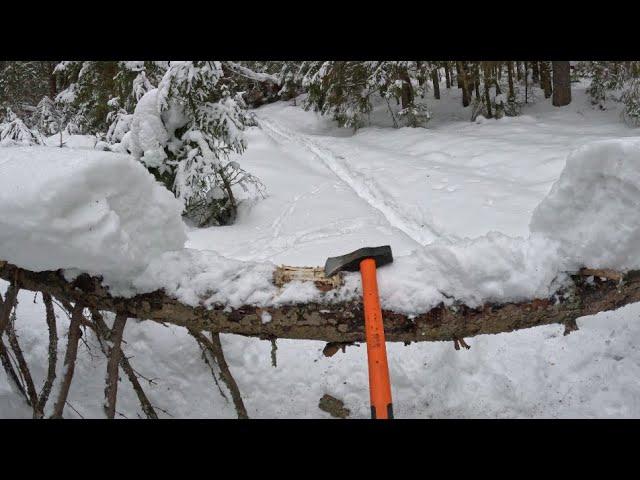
x=447 y=74
x=407 y=90
x=535 y=73
x=463 y=80
x=512 y=94
x=545 y=79
x=436 y=84
x=519 y=71
x=486 y=66
x=561 y=84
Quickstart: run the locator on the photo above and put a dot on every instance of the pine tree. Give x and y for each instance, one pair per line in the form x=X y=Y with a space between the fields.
x=15 y=132
x=184 y=132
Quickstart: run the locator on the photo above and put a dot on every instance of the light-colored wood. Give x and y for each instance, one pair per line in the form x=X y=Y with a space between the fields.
x=285 y=274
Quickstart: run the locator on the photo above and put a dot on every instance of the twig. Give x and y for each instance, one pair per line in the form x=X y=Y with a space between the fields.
x=69 y=359
x=114 y=356
x=23 y=368
x=214 y=347
x=53 y=352
x=11 y=373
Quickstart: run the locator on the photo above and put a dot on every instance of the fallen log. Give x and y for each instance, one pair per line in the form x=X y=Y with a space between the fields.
x=342 y=322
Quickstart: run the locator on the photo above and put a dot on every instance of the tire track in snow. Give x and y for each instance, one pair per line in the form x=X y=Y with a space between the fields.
x=361 y=185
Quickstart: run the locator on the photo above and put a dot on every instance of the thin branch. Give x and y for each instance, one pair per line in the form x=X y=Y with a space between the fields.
x=100 y=328
x=214 y=346
x=23 y=368
x=114 y=355
x=10 y=371
x=69 y=359
x=53 y=352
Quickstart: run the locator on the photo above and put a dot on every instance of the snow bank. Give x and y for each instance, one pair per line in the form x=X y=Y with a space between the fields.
x=592 y=209
x=96 y=212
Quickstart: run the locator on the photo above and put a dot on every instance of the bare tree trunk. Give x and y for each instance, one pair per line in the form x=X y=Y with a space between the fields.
x=447 y=74
x=519 y=71
x=407 y=90
x=545 y=79
x=561 y=84
x=69 y=359
x=463 y=82
x=114 y=356
x=512 y=93
x=436 y=84
x=486 y=66
x=535 y=77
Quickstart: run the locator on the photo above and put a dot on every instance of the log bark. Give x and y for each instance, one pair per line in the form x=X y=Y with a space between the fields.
x=561 y=84
x=342 y=322
x=114 y=356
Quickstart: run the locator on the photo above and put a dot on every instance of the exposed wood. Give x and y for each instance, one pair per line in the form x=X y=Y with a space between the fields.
x=285 y=274
x=342 y=322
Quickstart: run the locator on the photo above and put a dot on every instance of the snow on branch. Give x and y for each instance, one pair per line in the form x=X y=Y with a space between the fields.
x=250 y=74
x=342 y=322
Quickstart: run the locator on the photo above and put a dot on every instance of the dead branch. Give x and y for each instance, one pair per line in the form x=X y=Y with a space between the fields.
x=23 y=368
x=342 y=322
x=52 y=352
x=114 y=355
x=101 y=330
x=214 y=347
x=69 y=359
x=5 y=359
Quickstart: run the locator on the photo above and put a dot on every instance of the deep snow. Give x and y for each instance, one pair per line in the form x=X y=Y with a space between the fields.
x=330 y=192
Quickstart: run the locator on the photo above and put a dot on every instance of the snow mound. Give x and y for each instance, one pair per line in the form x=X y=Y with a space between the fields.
x=96 y=212
x=592 y=209
x=491 y=268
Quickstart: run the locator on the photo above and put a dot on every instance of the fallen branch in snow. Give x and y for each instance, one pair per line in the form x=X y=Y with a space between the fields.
x=342 y=322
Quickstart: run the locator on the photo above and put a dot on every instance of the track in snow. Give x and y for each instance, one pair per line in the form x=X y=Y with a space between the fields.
x=363 y=186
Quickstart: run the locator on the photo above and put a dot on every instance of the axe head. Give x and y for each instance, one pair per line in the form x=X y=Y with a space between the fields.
x=351 y=261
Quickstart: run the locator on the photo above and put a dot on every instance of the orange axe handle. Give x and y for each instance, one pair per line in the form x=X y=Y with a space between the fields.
x=379 y=384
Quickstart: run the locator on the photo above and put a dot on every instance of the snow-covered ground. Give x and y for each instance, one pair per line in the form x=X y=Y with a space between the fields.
x=331 y=191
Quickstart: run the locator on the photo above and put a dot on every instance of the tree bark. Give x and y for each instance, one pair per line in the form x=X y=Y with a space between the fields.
x=436 y=84
x=535 y=72
x=114 y=356
x=407 y=90
x=69 y=359
x=545 y=79
x=486 y=66
x=561 y=84
x=341 y=322
x=447 y=74
x=463 y=82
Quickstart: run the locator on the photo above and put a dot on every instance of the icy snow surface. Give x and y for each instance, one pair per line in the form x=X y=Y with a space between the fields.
x=92 y=211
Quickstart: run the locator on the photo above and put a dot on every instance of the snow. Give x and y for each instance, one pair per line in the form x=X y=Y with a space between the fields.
x=592 y=208
x=98 y=212
x=470 y=210
x=148 y=134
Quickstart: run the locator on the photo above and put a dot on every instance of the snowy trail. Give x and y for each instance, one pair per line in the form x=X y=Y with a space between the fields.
x=366 y=188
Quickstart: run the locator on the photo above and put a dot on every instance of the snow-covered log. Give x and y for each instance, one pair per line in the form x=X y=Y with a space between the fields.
x=343 y=321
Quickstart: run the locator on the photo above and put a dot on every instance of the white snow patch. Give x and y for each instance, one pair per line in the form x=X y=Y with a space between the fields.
x=97 y=212
x=592 y=209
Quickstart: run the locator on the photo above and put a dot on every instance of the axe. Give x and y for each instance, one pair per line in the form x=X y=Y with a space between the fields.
x=367 y=260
